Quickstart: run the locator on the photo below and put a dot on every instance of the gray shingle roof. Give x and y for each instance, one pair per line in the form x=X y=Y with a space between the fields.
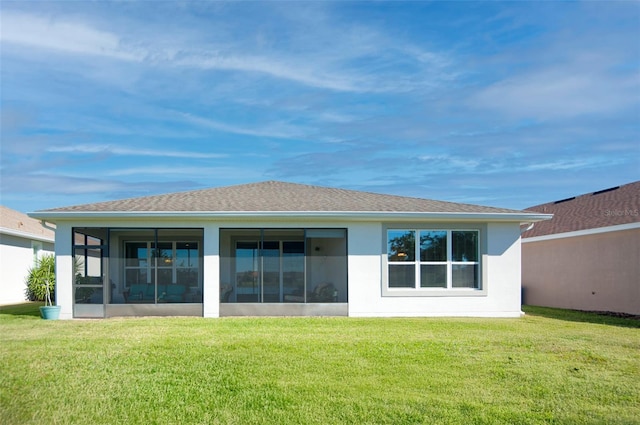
x=608 y=207
x=275 y=196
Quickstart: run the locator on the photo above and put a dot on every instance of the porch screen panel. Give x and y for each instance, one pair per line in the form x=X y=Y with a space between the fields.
x=326 y=265
x=133 y=268
x=178 y=265
x=153 y=266
x=293 y=268
x=90 y=271
x=271 y=271
x=240 y=266
x=283 y=265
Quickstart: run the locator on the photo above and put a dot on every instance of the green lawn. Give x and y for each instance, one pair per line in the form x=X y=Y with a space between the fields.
x=550 y=367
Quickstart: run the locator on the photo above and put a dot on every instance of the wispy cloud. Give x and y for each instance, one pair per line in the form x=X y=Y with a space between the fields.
x=278 y=130
x=351 y=68
x=559 y=93
x=62 y=35
x=416 y=98
x=225 y=172
x=119 y=150
x=438 y=163
x=281 y=68
x=72 y=37
x=571 y=164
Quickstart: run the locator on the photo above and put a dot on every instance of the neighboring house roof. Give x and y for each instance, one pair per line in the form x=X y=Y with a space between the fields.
x=609 y=207
x=15 y=223
x=274 y=198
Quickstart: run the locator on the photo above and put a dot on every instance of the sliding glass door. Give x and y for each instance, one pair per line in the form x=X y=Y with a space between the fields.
x=271 y=276
x=283 y=265
x=247 y=284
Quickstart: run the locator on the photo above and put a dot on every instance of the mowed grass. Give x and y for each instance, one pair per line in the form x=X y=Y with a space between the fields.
x=550 y=367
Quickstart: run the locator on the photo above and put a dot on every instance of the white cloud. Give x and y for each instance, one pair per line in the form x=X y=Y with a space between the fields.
x=571 y=90
x=278 y=130
x=444 y=162
x=554 y=94
x=56 y=34
x=117 y=150
x=320 y=66
x=210 y=172
x=61 y=184
x=570 y=164
x=80 y=38
x=282 y=68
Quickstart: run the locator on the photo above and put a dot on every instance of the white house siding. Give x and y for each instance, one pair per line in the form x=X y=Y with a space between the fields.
x=211 y=271
x=500 y=267
x=365 y=250
x=64 y=270
x=16 y=257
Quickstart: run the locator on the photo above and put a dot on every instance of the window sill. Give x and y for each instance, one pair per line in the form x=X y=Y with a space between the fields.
x=433 y=292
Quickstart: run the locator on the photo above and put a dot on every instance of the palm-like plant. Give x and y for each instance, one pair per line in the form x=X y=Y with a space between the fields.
x=41 y=280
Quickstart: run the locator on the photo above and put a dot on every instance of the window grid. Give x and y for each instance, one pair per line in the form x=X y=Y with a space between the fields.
x=166 y=258
x=449 y=263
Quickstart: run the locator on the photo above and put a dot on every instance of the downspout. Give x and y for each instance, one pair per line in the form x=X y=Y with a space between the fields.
x=46 y=226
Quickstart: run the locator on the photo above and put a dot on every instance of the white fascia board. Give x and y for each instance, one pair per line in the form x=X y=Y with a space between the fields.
x=294 y=215
x=26 y=235
x=586 y=232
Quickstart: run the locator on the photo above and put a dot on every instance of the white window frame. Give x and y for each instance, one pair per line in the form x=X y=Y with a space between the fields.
x=449 y=290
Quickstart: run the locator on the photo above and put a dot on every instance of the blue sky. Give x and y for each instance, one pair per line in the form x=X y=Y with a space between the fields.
x=506 y=104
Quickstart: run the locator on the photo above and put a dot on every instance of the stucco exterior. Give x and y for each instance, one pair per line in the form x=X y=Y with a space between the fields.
x=596 y=270
x=500 y=262
x=586 y=256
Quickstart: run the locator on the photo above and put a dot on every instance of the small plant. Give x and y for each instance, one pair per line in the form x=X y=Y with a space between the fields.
x=41 y=280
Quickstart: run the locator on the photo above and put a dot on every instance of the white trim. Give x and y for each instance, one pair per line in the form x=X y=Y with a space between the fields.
x=306 y=215
x=585 y=232
x=26 y=235
x=449 y=290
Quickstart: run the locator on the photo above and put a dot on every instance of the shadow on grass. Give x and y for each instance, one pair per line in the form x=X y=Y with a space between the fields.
x=29 y=309
x=604 y=318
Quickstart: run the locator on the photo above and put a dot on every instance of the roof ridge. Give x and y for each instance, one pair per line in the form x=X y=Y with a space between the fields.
x=587 y=194
x=278 y=196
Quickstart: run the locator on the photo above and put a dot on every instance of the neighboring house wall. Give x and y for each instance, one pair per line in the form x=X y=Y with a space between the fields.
x=595 y=270
x=17 y=254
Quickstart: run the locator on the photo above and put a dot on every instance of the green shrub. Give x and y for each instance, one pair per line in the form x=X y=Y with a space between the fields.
x=39 y=275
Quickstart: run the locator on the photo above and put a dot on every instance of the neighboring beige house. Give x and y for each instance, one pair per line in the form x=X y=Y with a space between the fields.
x=588 y=256
x=22 y=241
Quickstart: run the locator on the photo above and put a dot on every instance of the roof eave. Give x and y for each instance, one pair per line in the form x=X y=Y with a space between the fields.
x=26 y=235
x=54 y=216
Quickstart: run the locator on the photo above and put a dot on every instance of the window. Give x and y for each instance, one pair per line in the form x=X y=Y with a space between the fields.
x=177 y=263
x=433 y=258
